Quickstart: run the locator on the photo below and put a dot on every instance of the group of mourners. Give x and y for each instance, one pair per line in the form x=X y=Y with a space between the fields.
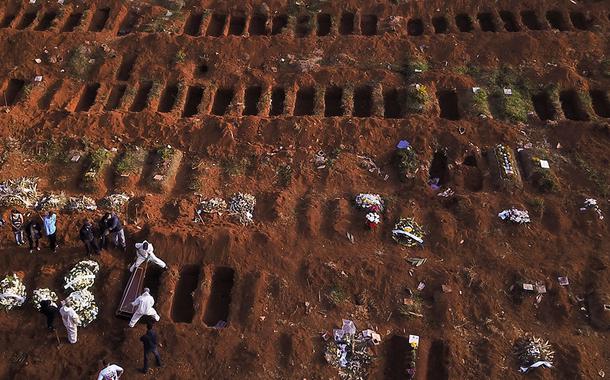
x=95 y=238
x=34 y=229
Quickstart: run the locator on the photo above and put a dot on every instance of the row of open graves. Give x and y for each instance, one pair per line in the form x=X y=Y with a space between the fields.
x=211 y=23
x=201 y=292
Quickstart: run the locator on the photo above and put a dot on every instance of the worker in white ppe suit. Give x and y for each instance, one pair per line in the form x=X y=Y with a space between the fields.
x=70 y=320
x=110 y=372
x=145 y=253
x=143 y=306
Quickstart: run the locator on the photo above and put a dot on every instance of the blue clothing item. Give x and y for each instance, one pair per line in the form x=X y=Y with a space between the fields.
x=49 y=224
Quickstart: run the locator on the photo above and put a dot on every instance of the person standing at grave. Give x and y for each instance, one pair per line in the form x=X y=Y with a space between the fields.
x=149 y=342
x=70 y=320
x=49 y=310
x=17 y=226
x=113 y=230
x=143 y=305
x=88 y=238
x=33 y=231
x=49 y=221
x=145 y=252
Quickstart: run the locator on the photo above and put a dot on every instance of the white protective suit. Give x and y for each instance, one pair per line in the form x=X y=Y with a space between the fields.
x=143 y=306
x=70 y=320
x=143 y=255
x=111 y=372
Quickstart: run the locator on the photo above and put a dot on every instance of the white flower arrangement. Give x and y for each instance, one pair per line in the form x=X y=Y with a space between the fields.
x=82 y=275
x=370 y=202
x=213 y=206
x=12 y=292
x=44 y=294
x=84 y=305
x=515 y=215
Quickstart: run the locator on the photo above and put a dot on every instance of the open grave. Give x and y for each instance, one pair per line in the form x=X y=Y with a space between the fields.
x=168 y=98
x=47 y=20
x=333 y=98
x=72 y=22
x=363 y=101
x=183 y=303
x=192 y=27
x=194 y=96
x=324 y=24
x=116 y=96
x=141 y=100
x=217 y=25
x=510 y=21
x=440 y=24
x=13 y=92
x=487 y=22
x=305 y=102
x=237 y=25
x=544 y=106
x=346 y=26
x=258 y=25
x=219 y=301
x=368 y=25
x=464 y=23
x=222 y=100
x=572 y=106
x=448 y=102
x=251 y=100
x=87 y=98
x=415 y=27
x=278 y=98
x=100 y=17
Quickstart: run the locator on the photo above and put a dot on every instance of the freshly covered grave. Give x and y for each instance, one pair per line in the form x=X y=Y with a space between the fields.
x=21 y=192
x=84 y=305
x=350 y=351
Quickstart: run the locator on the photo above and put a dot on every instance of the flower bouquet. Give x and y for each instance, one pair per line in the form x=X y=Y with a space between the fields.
x=84 y=305
x=408 y=233
x=12 y=292
x=82 y=275
x=212 y=206
x=241 y=206
x=515 y=215
x=370 y=202
x=43 y=294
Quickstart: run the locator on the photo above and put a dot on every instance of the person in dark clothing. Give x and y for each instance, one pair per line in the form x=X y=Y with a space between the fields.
x=88 y=238
x=149 y=341
x=101 y=229
x=49 y=310
x=113 y=230
x=17 y=226
x=33 y=231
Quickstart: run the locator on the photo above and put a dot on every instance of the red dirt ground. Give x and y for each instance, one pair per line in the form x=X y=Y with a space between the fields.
x=297 y=251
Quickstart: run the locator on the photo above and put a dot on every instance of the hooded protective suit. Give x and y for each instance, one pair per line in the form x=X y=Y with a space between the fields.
x=143 y=255
x=143 y=306
x=111 y=372
x=71 y=321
